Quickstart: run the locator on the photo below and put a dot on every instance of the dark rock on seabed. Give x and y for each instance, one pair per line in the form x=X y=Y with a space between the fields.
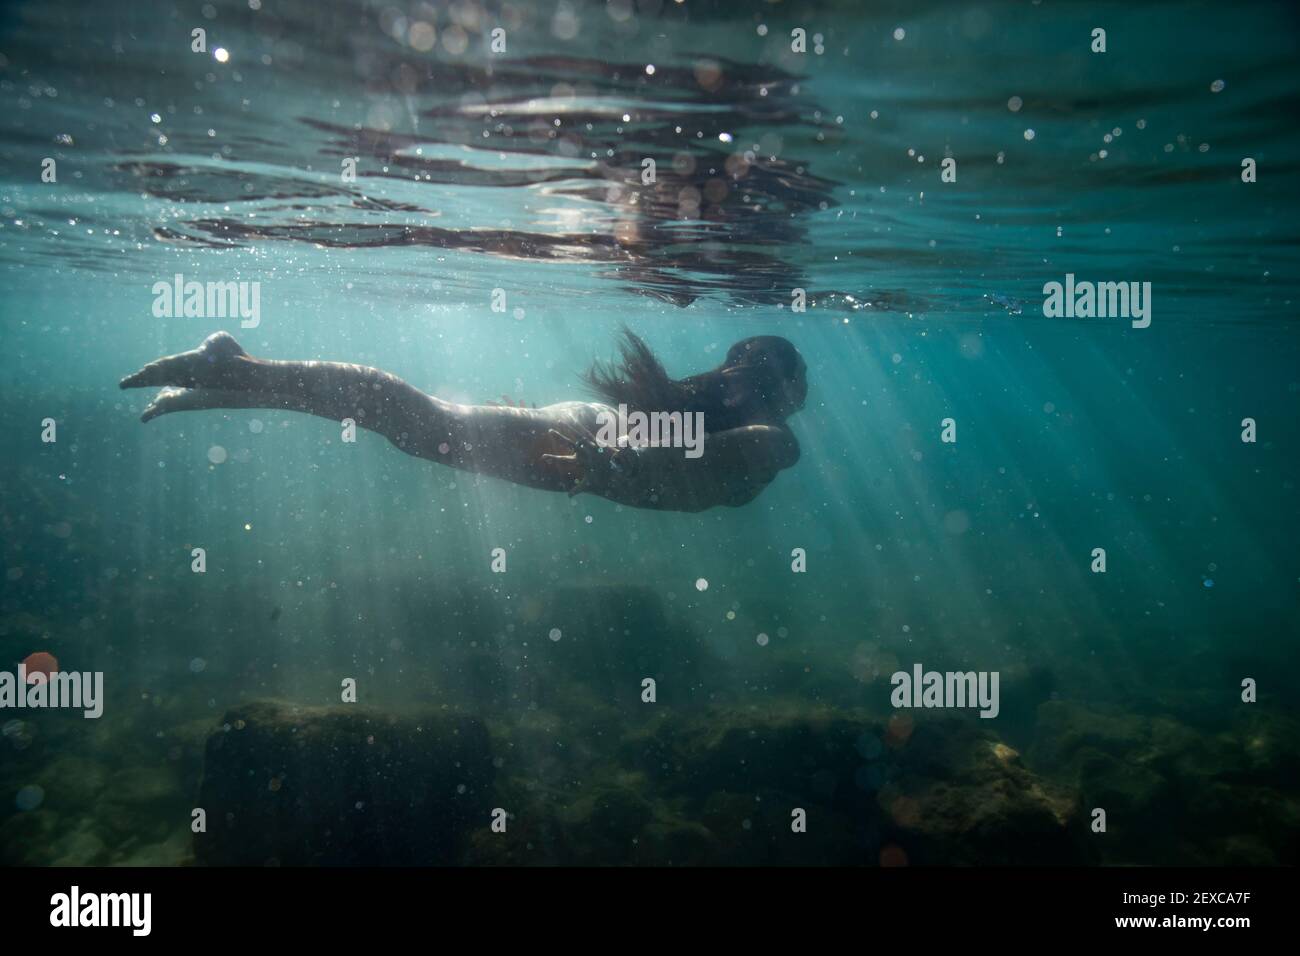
x=1176 y=795
x=720 y=786
x=941 y=790
x=342 y=785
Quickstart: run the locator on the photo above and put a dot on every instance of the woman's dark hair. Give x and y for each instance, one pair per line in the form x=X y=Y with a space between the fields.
x=762 y=379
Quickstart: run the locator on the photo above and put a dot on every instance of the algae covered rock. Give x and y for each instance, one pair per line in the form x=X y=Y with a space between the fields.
x=342 y=785
x=985 y=809
x=25 y=838
x=1177 y=794
x=941 y=790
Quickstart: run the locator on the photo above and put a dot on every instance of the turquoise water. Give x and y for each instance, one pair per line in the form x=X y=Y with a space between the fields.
x=776 y=171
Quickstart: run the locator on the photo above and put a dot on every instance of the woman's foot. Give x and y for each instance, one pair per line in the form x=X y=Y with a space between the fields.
x=208 y=366
x=175 y=400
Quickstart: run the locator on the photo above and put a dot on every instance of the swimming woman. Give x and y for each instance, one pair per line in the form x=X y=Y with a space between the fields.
x=745 y=403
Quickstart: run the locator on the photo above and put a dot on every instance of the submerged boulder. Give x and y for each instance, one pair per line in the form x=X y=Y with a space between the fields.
x=970 y=801
x=861 y=790
x=342 y=785
x=1175 y=794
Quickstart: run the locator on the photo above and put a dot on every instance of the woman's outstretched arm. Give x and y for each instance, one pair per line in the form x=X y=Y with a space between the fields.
x=735 y=466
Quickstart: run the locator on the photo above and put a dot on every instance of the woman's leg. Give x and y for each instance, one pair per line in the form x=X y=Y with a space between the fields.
x=501 y=441
x=220 y=374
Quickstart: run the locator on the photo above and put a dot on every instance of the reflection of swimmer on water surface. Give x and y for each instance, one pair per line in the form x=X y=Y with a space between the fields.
x=744 y=402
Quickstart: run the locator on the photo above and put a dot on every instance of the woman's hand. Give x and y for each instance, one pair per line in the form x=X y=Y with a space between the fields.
x=597 y=466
